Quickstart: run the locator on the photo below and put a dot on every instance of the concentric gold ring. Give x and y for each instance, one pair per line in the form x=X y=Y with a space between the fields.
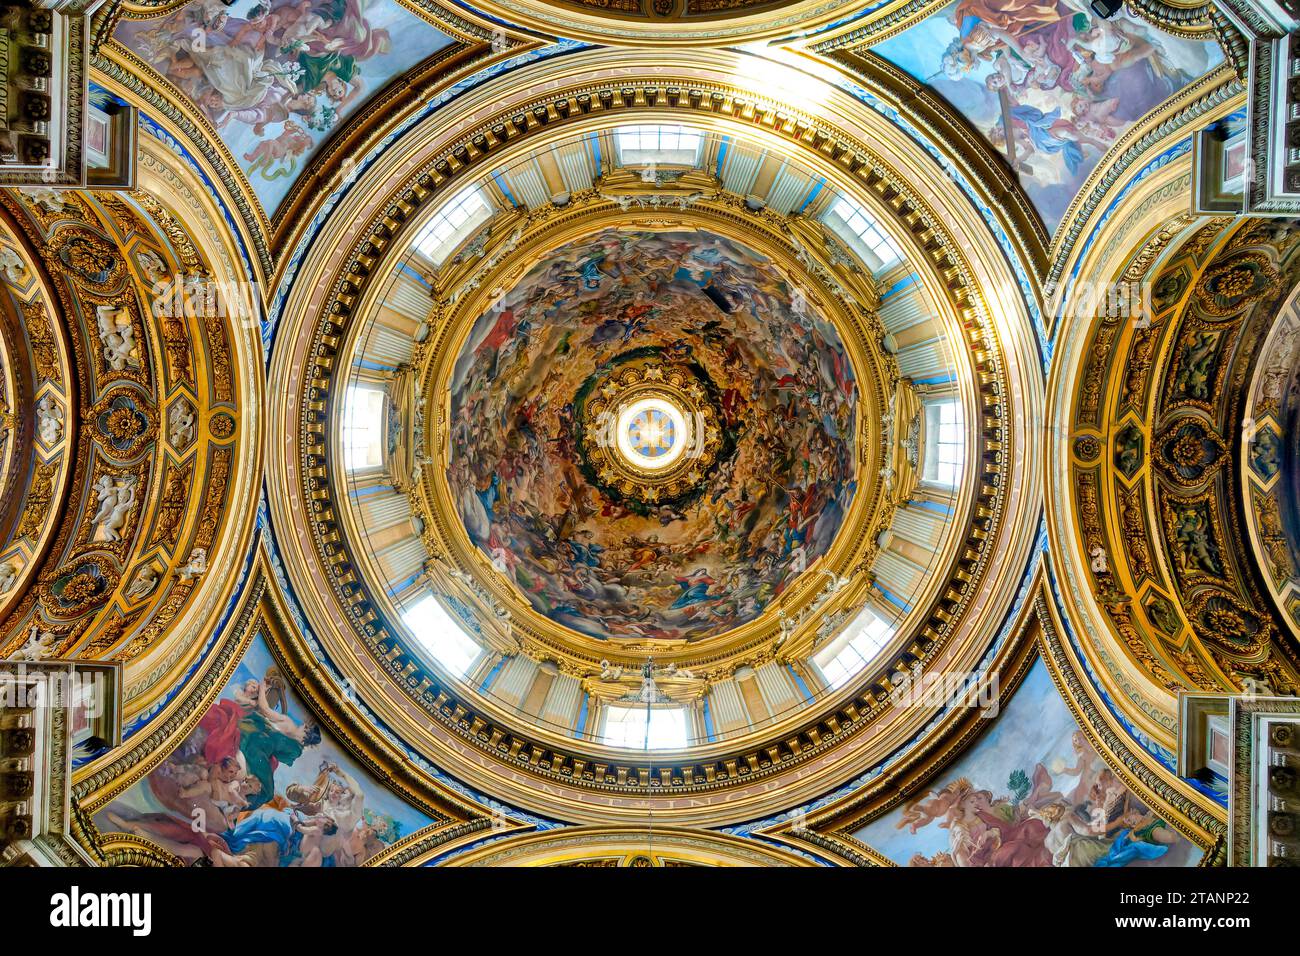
x=608 y=403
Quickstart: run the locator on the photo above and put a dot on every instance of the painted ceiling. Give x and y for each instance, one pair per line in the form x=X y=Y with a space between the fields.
x=1050 y=85
x=276 y=77
x=650 y=437
x=611 y=563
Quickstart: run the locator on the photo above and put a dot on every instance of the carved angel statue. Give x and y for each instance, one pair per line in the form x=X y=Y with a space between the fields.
x=49 y=420
x=1099 y=563
x=836 y=582
x=40 y=645
x=887 y=476
x=115 y=504
x=8 y=575
x=144 y=582
x=117 y=336
x=610 y=672
x=196 y=565
x=672 y=670
x=788 y=624
x=912 y=443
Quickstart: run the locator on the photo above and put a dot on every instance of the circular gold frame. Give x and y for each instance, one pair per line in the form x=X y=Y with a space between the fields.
x=966 y=285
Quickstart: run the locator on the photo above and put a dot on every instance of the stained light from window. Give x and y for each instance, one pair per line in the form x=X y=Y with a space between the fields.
x=363 y=428
x=625 y=726
x=945 y=446
x=441 y=636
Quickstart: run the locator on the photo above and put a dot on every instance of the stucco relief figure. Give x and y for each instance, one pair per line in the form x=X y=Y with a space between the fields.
x=48 y=200
x=117 y=335
x=40 y=645
x=8 y=575
x=49 y=420
x=143 y=584
x=12 y=266
x=152 y=266
x=181 y=424
x=116 y=500
x=194 y=566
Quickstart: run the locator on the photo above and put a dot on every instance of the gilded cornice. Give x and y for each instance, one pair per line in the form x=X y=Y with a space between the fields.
x=1266 y=496
x=622 y=847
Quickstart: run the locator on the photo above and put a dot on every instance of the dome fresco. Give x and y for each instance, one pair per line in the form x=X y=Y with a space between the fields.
x=716 y=547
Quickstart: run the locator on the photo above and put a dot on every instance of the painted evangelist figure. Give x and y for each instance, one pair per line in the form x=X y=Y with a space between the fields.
x=1031 y=792
x=255 y=784
x=608 y=567
x=1048 y=82
x=277 y=76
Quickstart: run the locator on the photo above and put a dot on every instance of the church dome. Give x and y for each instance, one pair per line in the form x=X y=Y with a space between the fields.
x=647 y=439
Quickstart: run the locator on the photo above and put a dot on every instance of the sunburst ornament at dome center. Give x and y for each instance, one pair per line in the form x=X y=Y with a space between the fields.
x=648 y=430
x=652 y=433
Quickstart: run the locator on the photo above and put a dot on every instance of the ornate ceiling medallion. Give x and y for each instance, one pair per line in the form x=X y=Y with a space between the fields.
x=647 y=432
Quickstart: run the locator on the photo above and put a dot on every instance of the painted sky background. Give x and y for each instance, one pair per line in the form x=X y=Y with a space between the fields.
x=257 y=660
x=1035 y=727
x=381 y=37
x=1048 y=176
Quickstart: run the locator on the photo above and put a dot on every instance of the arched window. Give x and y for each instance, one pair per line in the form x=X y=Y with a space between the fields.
x=862 y=640
x=363 y=428
x=625 y=726
x=851 y=222
x=453 y=224
x=945 y=445
x=669 y=145
x=441 y=636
